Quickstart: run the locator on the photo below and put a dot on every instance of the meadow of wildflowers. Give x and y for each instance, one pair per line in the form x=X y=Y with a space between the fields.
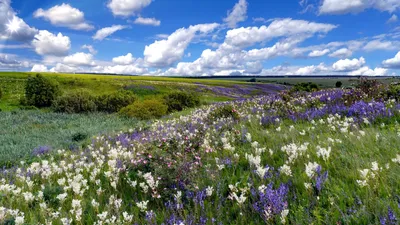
x=328 y=157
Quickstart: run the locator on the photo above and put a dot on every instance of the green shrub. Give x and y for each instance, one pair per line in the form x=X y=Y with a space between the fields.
x=80 y=136
x=1 y=93
x=41 y=91
x=307 y=87
x=252 y=80
x=78 y=102
x=144 y=110
x=339 y=84
x=50 y=194
x=178 y=101
x=115 y=102
x=393 y=92
x=226 y=111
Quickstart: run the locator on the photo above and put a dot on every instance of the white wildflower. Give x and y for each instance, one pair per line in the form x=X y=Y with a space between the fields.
x=311 y=169
x=285 y=169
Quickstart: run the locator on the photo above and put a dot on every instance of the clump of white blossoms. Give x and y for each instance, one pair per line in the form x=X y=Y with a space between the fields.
x=324 y=153
x=285 y=169
x=209 y=191
x=368 y=174
x=311 y=169
x=142 y=205
x=397 y=159
x=294 y=151
x=240 y=199
x=284 y=214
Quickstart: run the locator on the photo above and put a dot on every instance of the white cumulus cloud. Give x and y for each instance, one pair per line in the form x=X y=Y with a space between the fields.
x=79 y=59
x=124 y=59
x=39 y=68
x=62 y=68
x=46 y=43
x=168 y=51
x=348 y=64
x=393 y=62
x=64 y=15
x=127 y=7
x=311 y=70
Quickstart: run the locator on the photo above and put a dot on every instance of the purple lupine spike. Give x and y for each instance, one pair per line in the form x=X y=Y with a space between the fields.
x=391 y=217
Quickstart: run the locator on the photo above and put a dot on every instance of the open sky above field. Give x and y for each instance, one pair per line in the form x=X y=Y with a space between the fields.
x=207 y=37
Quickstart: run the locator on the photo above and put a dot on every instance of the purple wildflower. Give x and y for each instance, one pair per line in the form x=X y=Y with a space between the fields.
x=41 y=150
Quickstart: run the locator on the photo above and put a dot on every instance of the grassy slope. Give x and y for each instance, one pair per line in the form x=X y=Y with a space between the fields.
x=13 y=83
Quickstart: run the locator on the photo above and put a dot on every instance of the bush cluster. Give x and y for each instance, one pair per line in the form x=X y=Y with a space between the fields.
x=40 y=91
x=393 y=92
x=83 y=102
x=115 y=101
x=307 y=87
x=226 y=111
x=77 y=102
x=178 y=101
x=1 y=93
x=144 y=110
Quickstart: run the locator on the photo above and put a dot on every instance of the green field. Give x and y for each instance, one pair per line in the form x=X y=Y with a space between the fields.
x=12 y=84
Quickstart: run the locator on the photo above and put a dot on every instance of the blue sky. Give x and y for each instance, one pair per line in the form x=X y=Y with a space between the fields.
x=179 y=37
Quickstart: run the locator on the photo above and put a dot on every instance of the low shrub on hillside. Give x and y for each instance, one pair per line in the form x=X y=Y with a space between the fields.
x=41 y=91
x=226 y=111
x=339 y=84
x=114 y=102
x=307 y=87
x=178 y=101
x=393 y=92
x=78 y=102
x=147 y=109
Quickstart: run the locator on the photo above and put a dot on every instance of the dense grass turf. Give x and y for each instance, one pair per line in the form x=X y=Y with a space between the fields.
x=23 y=131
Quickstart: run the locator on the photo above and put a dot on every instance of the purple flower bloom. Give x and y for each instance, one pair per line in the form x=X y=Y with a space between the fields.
x=41 y=150
x=271 y=202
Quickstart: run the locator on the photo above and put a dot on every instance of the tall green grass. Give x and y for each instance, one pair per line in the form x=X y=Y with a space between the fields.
x=23 y=131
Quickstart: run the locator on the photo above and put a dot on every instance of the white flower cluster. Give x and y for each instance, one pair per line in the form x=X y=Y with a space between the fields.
x=241 y=198
x=294 y=151
x=324 y=153
x=311 y=168
x=368 y=174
